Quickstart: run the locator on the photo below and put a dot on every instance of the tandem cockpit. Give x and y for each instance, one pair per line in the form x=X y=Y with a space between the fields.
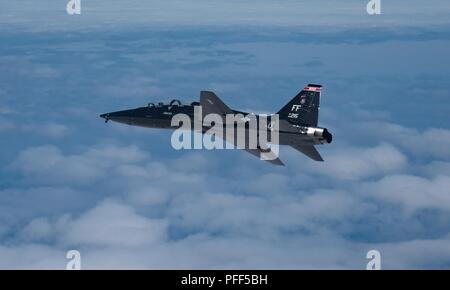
x=171 y=104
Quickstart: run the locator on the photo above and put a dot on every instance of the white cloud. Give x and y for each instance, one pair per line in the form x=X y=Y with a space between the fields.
x=417 y=254
x=147 y=196
x=130 y=87
x=191 y=213
x=268 y=184
x=114 y=224
x=433 y=142
x=37 y=230
x=31 y=256
x=125 y=209
x=435 y=168
x=52 y=130
x=412 y=192
x=50 y=164
x=203 y=12
x=353 y=163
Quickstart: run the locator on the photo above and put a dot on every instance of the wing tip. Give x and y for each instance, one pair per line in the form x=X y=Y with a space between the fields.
x=276 y=162
x=309 y=151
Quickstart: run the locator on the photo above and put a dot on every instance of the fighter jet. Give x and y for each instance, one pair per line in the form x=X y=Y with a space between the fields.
x=298 y=120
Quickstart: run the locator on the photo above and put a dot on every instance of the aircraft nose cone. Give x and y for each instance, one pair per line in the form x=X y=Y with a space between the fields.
x=119 y=116
x=105 y=116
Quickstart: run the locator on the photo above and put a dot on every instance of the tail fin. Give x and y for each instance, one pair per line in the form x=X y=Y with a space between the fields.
x=303 y=109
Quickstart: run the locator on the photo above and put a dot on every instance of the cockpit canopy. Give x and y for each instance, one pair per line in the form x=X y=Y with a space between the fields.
x=174 y=102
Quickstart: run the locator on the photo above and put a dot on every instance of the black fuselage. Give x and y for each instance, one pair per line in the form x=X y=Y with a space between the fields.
x=160 y=116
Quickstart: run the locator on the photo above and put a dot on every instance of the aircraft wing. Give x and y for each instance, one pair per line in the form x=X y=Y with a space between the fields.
x=255 y=152
x=274 y=160
x=308 y=150
x=211 y=104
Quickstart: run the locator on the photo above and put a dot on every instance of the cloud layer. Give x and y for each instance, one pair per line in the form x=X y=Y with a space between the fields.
x=48 y=15
x=125 y=199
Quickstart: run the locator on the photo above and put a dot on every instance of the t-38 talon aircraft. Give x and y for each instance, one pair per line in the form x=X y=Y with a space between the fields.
x=297 y=128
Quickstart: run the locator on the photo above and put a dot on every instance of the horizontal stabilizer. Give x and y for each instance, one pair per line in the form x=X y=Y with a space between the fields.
x=309 y=150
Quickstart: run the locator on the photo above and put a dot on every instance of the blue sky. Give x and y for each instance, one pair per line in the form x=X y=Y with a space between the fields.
x=125 y=199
